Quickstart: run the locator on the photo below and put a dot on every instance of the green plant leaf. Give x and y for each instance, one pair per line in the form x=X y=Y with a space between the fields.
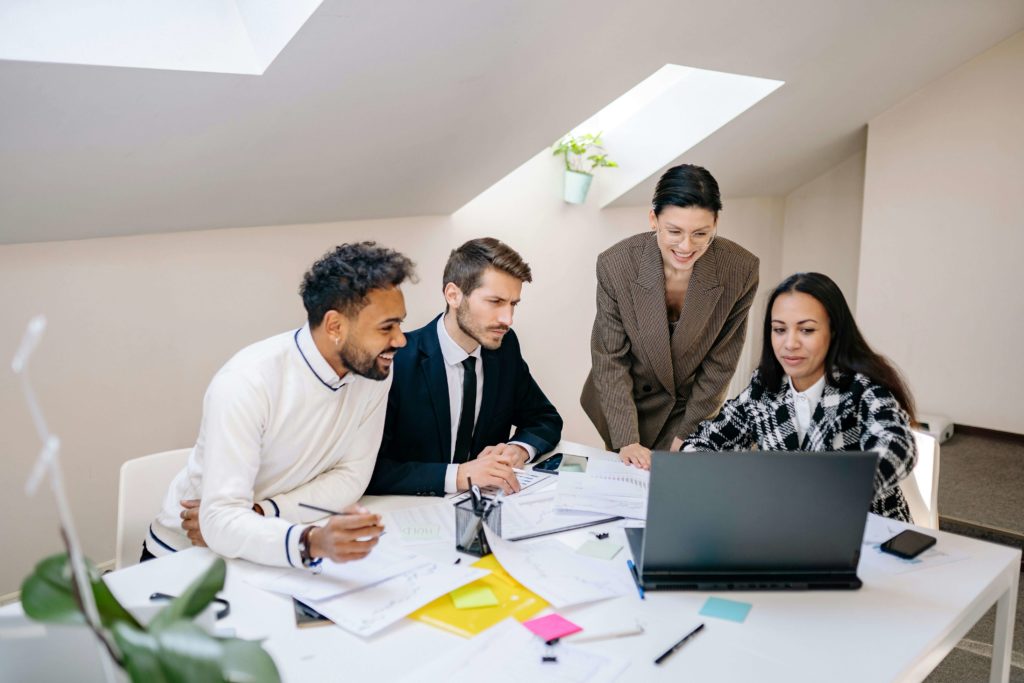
x=246 y=660
x=141 y=652
x=193 y=599
x=47 y=594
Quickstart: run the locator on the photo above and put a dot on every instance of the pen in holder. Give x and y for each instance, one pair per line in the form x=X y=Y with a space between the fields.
x=470 y=516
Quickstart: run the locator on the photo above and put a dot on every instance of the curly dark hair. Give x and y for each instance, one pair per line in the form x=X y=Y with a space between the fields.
x=342 y=278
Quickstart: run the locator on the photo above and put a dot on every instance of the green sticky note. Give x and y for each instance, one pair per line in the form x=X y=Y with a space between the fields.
x=602 y=550
x=472 y=597
x=730 y=610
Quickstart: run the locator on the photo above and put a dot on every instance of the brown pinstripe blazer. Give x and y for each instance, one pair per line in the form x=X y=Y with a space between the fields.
x=645 y=385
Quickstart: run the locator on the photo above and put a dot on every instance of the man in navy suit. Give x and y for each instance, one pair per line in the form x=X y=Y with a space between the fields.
x=461 y=385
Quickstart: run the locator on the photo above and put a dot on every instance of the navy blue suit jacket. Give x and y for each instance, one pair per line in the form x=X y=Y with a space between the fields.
x=416 y=449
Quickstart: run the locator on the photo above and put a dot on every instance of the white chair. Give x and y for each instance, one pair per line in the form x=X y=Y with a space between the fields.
x=921 y=488
x=140 y=493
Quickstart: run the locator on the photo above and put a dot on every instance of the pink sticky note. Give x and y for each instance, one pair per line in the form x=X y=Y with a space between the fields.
x=552 y=626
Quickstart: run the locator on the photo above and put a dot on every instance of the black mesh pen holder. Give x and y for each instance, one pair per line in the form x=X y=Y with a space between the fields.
x=469 y=526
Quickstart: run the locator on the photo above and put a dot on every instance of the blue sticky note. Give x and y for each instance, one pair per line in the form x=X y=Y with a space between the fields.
x=730 y=610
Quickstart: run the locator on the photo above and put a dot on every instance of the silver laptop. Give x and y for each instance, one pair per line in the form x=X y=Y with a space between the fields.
x=754 y=521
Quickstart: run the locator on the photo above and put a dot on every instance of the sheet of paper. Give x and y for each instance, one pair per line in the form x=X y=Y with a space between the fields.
x=880 y=529
x=373 y=609
x=555 y=572
x=609 y=487
x=336 y=579
x=520 y=516
x=508 y=653
x=601 y=550
x=530 y=483
x=430 y=523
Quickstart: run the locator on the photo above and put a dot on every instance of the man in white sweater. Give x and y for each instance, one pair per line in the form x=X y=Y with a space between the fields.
x=296 y=419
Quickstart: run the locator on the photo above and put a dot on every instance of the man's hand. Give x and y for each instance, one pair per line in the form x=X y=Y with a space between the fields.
x=346 y=537
x=489 y=469
x=636 y=455
x=517 y=455
x=190 y=520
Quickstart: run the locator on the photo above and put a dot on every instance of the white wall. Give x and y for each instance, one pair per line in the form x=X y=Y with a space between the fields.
x=138 y=326
x=822 y=230
x=941 y=276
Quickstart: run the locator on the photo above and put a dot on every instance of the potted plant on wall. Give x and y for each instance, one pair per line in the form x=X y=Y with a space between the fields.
x=578 y=150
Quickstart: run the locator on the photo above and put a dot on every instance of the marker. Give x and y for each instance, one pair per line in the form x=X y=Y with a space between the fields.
x=668 y=653
x=584 y=637
x=636 y=578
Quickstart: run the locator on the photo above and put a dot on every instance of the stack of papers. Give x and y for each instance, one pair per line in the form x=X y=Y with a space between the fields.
x=608 y=487
x=368 y=595
x=509 y=653
x=562 y=577
x=537 y=513
x=337 y=579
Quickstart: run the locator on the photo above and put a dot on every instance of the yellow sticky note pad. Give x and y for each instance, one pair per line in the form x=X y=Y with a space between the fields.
x=473 y=596
x=510 y=599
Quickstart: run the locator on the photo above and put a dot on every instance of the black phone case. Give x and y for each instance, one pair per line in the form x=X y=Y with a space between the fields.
x=923 y=543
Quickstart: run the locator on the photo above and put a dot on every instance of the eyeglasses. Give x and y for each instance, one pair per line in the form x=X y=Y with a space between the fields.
x=698 y=239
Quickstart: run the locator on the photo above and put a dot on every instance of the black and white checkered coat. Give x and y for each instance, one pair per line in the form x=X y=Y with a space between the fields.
x=854 y=414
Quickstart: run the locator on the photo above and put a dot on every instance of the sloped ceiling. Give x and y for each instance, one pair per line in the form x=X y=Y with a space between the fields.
x=406 y=108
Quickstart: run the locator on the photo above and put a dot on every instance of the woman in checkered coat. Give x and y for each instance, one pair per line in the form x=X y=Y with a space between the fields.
x=820 y=387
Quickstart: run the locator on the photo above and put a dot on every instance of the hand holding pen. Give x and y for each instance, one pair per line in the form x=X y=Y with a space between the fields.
x=348 y=535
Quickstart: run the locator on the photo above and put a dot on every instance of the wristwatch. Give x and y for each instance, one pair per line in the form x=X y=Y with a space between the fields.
x=305 y=550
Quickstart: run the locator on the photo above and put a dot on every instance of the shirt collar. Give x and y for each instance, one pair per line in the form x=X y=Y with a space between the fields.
x=813 y=393
x=452 y=352
x=317 y=363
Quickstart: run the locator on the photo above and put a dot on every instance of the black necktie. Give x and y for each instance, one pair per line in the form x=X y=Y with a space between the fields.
x=464 y=435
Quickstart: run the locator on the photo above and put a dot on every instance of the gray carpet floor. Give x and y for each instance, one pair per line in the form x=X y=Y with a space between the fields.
x=981 y=483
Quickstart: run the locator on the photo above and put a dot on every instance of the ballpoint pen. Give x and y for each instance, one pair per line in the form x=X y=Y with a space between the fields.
x=332 y=512
x=668 y=653
x=636 y=578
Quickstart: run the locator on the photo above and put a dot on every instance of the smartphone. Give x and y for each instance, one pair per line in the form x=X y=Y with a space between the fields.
x=908 y=544
x=550 y=465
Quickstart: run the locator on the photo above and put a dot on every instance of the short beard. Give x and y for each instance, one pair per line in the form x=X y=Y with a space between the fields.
x=359 y=361
x=471 y=329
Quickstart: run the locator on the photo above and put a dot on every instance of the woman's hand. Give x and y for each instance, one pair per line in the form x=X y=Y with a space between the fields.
x=636 y=455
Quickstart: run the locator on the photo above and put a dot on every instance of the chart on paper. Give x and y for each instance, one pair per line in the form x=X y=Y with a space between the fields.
x=609 y=487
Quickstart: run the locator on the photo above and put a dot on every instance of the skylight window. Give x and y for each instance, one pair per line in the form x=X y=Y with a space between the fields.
x=222 y=36
x=665 y=115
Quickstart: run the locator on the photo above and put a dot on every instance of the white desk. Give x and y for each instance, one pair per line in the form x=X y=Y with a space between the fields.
x=896 y=628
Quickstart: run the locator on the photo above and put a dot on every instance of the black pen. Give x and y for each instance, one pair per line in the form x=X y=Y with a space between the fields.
x=326 y=511
x=668 y=653
x=333 y=512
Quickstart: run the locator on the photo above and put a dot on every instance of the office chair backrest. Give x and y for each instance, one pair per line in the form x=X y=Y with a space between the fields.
x=921 y=488
x=143 y=485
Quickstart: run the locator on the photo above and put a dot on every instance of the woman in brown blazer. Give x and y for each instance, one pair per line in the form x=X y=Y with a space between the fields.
x=671 y=319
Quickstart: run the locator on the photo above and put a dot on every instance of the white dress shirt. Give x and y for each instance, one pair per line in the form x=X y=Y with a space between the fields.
x=279 y=427
x=805 y=402
x=454 y=371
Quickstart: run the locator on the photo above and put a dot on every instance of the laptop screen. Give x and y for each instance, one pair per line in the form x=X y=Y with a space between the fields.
x=757 y=512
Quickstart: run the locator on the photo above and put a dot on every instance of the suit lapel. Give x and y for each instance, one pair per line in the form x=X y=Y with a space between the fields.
x=701 y=298
x=489 y=401
x=651 y=316
x=436 y=380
